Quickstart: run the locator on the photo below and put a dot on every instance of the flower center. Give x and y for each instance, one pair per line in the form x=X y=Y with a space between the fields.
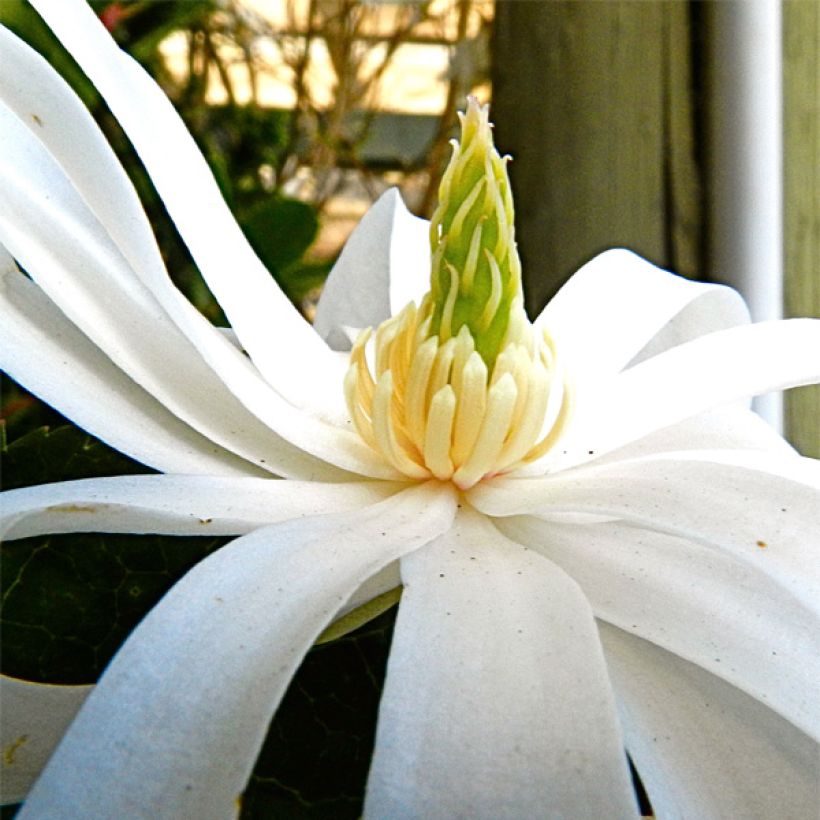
x=433 y=408
x=463 y=387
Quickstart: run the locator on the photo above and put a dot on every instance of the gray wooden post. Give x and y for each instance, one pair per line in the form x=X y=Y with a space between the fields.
x=594 y=102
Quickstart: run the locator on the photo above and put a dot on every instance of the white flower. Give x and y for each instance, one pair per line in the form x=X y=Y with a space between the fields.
x=648 y=580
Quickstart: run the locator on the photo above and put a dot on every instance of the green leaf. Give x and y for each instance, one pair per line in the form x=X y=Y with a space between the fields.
x=69 y=601
x=63 y=454
x=280 y=230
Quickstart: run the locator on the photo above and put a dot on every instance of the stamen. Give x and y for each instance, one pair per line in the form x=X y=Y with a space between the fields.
x=528 y=426
x=441 y=368
x=439 y=434
x=385 y=432
x=417 y=390
x=472 y=403
x=464 y=347
x=353 y=399
x=445 y=417
x=496 y=423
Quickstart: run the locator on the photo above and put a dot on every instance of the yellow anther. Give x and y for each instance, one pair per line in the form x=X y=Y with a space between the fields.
x=448 y=416
x=439 y=434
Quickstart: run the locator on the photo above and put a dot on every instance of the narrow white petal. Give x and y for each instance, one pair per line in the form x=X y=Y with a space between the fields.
x=35 y=717
x=97 y=181
x=760 y=507
x=42 y=350
x=70 y=137
x=619 y=307
x=173 y=727
x=263 y=318
x=497 y=702
x=56 y=116
x=703 y=748
x=707 y=372
x=175 y=504
x=384 y=265
x=71 y=257
x=746 y=622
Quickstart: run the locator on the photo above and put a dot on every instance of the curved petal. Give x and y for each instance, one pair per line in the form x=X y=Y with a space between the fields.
x=35 y=717
x=55 y=115
x=174 y=725
x=699 y=375
x=261 y=315
x=72 y=258
x=384 y=265
x=497 y=702
x=703 y=748
x=70 y=137
x=619 y=307
x=763 y=509
x=41 y=349
x=740 y=621
x=725 y=428
x=175 y=504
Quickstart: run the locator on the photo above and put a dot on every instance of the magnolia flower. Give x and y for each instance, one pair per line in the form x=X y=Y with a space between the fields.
x=601 y=548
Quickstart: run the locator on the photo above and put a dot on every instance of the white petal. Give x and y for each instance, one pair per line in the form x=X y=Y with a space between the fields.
x=70 y=136
x=175 y=504
x=743 y=621
x=261 y=315
x=732 y=428
x=42 y=350
x=734 y=500
x=71 y=257
x=35 y=716
x=703 y=748
x=384 y=265
x=619 y=307
x=699 y=375
x=497 y=702
x=173 y=727
x=56 y=116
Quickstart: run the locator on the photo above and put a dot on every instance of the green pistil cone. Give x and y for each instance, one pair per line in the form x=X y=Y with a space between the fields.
x=473 y=242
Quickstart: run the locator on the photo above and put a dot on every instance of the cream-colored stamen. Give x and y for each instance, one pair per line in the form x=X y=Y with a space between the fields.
x=446 y=415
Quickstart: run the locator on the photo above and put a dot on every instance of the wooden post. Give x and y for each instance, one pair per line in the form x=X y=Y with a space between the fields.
x=801 y=75
x=594 y=102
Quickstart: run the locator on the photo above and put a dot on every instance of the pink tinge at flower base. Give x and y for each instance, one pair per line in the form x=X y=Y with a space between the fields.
x=579 y=556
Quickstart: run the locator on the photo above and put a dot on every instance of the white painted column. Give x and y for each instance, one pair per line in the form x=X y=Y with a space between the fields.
x=746 y=121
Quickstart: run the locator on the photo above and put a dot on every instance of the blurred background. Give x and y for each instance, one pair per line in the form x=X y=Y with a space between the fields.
x=687 y=131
